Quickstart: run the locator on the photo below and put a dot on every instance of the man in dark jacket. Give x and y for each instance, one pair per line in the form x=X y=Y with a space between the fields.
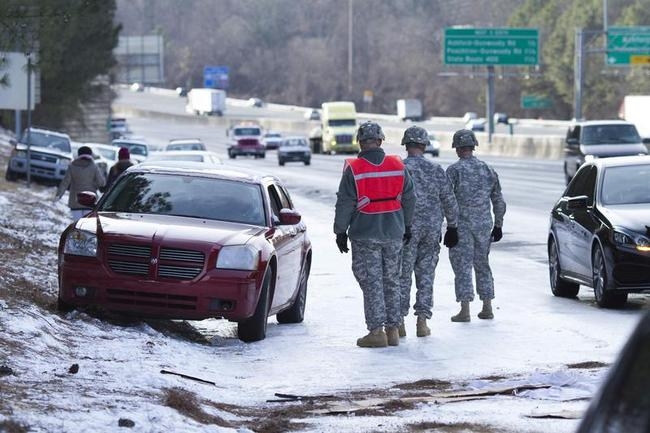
x=123 y=162
x=82 y=175
x=374 y=206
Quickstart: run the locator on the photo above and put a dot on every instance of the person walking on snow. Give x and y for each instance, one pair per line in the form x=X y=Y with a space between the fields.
x=82 y=175
x=123 y=162
x=374 y=207
x=435 y=200
x=478 y=192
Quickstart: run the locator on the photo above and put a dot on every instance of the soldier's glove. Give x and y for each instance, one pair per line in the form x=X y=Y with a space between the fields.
x=451 y=237
x=497 y=234
x=407 y=234
x=342 y=242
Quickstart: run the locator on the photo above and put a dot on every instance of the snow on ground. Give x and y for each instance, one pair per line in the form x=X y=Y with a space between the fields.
x=544 y=348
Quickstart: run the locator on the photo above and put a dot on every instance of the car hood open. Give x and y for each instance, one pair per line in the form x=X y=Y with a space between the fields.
x=631 y=216
x=146 y=228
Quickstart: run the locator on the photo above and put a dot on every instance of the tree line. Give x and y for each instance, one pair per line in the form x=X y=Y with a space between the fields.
x=297 y=52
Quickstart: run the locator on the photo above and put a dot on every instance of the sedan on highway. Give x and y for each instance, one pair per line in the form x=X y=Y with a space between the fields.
x=294 y=149
x=180 y=242
x=599 y=232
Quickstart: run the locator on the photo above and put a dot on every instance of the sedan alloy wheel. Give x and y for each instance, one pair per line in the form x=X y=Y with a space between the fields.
x=559 y=287
x=604 y=298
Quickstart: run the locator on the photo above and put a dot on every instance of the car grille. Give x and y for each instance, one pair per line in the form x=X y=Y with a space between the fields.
x=344 y=139
x=298 y=154
x=43 y=157
x=248 y=142
x=148 y=299
x=172 y=263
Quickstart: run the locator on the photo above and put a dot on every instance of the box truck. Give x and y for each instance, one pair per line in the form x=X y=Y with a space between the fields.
x=337 y=132
x=636 y=109
x=203 y=101
x=409 y=109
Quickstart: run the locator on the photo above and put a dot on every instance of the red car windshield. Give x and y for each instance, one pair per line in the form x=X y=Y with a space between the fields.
x=188 y=196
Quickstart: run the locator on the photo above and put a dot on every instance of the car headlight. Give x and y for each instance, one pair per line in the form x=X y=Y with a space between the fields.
x=632 y=240
x=81 y=243
x=243 y=257
x=590 y=158
x=64 y=161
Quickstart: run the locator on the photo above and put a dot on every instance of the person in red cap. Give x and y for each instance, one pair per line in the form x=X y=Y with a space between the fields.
x=118 y=168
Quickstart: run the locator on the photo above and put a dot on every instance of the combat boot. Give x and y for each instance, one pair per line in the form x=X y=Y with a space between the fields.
x=401 y=329
x=375 y=338
x=486 y=312
x=463 y=314
x=392 y=335
x=421 y=328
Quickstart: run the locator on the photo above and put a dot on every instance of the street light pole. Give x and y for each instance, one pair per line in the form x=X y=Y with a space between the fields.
x=350 y=47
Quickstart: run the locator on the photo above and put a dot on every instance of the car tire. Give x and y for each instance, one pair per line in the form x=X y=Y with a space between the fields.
x=307 y=161
x=254 y=328
x=10 y=175
x=559 y=287
x=296 y=313
x=281 y=161
x=231 y=154
x=605 y=296
x=263 y=155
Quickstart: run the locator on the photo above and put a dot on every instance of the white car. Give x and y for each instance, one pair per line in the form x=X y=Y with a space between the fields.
x=272 y=140
x=105 y=155
x=295 y=148
x=139 y=150
x=433 y=148
x=312 y=114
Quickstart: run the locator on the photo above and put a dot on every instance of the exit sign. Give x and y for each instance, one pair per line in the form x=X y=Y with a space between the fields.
x=491 y=46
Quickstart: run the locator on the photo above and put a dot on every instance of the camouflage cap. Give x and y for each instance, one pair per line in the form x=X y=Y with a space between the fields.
x=415 y=135
x=464 y=138
x=370 y=130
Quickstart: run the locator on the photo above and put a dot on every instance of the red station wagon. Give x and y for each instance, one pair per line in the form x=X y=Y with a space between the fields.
x=189 y=242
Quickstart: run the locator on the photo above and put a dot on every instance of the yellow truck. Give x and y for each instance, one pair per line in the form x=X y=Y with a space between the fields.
x=337 y=133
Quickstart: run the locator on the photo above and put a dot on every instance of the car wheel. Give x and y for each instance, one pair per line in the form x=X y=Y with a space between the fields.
x=605 y=297
x=254 y=328
x=559 y=287
x=296 y=313
x=307 y=161
x=263 y=155
x=231 y=154
x=11 y=175
x=281 y=161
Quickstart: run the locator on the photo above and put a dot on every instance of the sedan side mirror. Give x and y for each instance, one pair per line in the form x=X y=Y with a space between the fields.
x=289 y=217
x=572 y=141
x=645 y=140
x=87 y=198
x=579 y=202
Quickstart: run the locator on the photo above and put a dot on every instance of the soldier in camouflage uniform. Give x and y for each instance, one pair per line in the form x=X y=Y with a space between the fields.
x=434 y=200
x=374 y=206
x=478 y=193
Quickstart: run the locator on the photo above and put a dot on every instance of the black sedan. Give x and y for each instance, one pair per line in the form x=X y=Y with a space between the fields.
x=599 y=232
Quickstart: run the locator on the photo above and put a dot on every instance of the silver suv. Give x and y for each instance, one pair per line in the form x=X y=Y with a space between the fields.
x=50 y=153
x=600 y=139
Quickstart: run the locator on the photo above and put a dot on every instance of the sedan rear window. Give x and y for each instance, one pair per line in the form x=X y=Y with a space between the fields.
x=188 y=196
x=626 y=185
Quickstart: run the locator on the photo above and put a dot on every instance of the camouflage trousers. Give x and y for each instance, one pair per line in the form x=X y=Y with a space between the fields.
x=419 y=256
x=375 y=265
x=472 y=253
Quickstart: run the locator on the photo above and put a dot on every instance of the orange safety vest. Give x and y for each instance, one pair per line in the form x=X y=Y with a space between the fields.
x=379 y=187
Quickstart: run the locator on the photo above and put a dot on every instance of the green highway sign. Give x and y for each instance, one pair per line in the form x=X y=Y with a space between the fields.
x=628 y=45
x=491 y=46
x=536 y=101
